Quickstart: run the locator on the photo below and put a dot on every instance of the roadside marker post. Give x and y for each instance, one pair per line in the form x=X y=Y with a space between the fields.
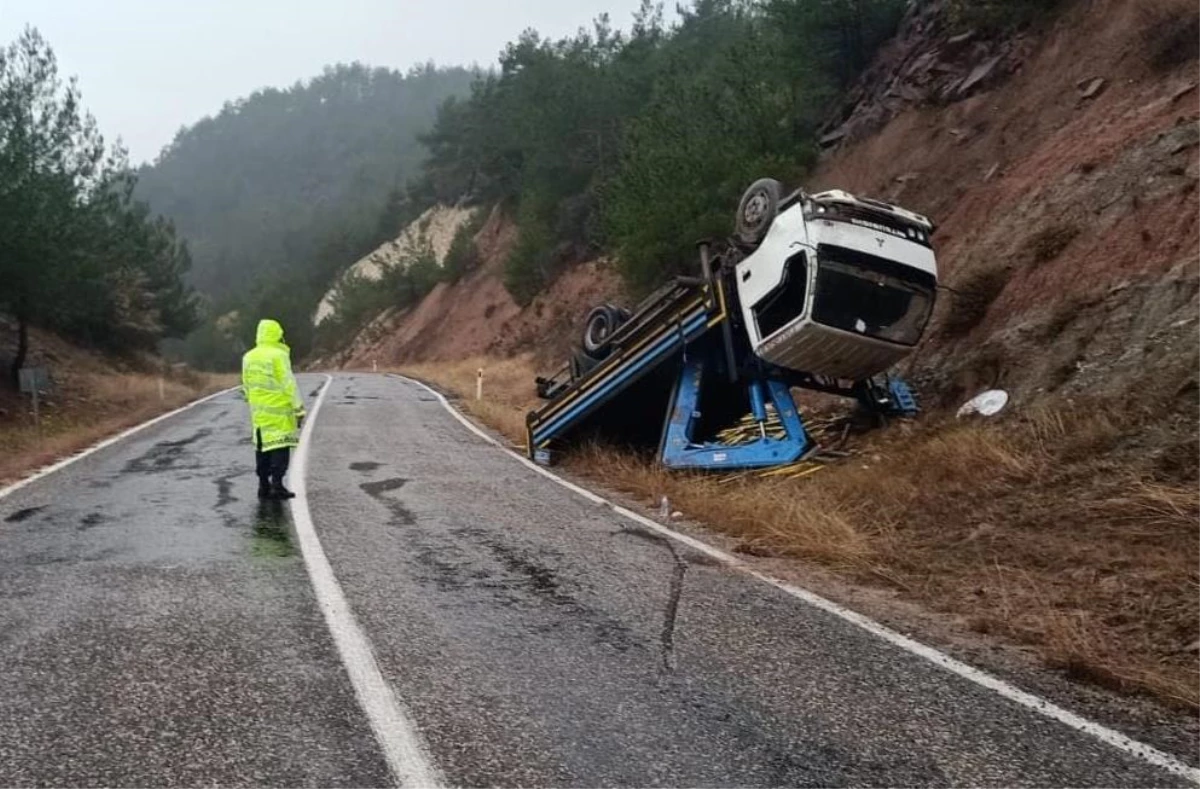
x=479 y=384
x=32 y=381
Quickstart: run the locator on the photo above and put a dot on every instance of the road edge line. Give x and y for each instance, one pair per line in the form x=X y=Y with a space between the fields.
x=394 y=730
x=1003 y=688
x=59 y=465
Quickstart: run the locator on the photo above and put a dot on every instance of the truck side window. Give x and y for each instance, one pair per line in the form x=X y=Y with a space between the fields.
x=786 y=303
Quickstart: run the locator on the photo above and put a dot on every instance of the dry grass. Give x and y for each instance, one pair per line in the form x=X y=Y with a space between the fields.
x=1054 y=528
x=1048 y=243
x=972 y=299
x=508 y=389
x=87 y=408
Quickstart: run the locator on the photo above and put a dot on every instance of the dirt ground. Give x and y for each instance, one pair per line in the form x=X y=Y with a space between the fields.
x=93 y=397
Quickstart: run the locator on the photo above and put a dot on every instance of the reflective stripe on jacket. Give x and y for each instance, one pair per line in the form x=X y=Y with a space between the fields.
x=270 y=388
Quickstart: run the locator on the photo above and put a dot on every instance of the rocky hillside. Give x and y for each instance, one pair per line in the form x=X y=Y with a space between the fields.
x=1062 y=173
x=1060 y=165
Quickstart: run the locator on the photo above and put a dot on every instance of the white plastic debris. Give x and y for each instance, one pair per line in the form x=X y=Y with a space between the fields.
x=988 y=403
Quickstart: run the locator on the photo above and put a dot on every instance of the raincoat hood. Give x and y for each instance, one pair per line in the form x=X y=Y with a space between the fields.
x=269 y=331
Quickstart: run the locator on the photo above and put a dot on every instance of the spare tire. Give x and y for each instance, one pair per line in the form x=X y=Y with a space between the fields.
x=757 y=210
x=602 y=322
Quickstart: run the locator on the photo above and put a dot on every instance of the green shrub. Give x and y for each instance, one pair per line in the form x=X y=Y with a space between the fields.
x=463 y=255
x=529 y=266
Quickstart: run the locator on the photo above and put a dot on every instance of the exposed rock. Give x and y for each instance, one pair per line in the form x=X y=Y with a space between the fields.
x=923 y=64
x=1185 y=135
x=434 y=228
x=1092 y=88
x=833 y=137
x=960 y=39
x=978 y=75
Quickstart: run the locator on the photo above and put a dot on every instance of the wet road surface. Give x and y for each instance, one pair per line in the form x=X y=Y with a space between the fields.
x=158 y=628
x=541 y=639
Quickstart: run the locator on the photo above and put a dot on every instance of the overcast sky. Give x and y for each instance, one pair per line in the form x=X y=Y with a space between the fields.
x=147 y=67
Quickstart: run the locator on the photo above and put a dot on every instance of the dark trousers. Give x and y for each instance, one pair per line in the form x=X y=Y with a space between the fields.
x=272 y=464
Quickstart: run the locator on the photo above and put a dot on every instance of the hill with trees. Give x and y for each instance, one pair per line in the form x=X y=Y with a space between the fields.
x=280 y=190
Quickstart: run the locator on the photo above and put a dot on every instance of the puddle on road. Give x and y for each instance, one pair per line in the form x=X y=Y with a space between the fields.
x=25 y=514
x=92 y=520
x=401 y=516
x=271 y=538
x=163 y=455
x=364 y=465
x=224 y=485
x=377 y=489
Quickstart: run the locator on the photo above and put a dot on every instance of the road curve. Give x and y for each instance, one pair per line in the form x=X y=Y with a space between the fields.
x=157 y=627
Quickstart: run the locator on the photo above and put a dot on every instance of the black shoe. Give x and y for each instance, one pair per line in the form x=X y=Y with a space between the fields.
x=264 y=491
x=280 y=493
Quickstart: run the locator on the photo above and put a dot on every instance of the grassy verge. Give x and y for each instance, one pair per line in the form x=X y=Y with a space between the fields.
x=88 y=408
x=1055 y=529
x=508 y=391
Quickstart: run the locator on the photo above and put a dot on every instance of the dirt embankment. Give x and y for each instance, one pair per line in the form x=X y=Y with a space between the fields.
x=93 y=396
x=476 y=316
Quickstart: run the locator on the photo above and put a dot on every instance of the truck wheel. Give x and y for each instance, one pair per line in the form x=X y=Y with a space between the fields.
x=757 y=210
x=601 y=323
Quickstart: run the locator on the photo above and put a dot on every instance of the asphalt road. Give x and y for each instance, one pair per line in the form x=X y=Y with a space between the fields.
x=158 y=627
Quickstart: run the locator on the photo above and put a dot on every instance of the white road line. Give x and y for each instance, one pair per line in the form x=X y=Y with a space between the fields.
x=108 y=442
x=1009 y=691
x=397 y=735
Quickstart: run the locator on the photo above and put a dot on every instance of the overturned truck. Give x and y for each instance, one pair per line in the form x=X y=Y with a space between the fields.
x=821 y=291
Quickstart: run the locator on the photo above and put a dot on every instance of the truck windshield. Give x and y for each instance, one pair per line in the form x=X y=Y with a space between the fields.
x=871 y=296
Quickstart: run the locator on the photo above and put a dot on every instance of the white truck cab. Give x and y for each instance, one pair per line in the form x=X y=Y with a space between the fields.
x=837 y=286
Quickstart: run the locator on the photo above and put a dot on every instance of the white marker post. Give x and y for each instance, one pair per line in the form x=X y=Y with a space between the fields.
x=479 y=384
x=31 y=381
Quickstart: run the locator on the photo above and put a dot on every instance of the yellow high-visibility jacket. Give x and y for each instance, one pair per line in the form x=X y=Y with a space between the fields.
x=270 y=388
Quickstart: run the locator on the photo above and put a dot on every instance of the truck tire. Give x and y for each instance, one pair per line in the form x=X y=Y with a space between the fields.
x=602 y=322
x=757 y=210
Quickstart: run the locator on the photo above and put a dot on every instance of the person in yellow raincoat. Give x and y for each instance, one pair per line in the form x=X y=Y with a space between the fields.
x=276 y=410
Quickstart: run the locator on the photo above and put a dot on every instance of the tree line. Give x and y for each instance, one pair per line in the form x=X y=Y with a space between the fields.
x=640 y=143
x=78 y=253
